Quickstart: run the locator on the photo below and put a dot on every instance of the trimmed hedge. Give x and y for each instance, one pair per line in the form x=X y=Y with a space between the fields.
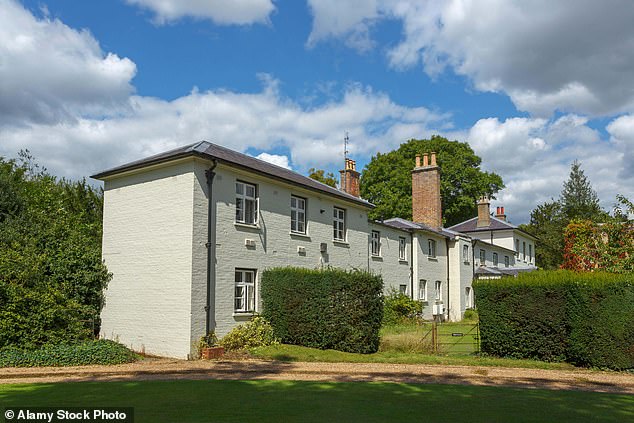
x=80 y=354
x=586 y=319
x=329 y=309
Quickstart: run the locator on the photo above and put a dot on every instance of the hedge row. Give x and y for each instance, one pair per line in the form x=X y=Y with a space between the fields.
x=329 y=309
x=586 y=319
x=80 y=354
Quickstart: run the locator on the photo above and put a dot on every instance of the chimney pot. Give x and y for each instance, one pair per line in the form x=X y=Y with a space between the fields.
x=418 y=160
x=433 y=158
x=425 y=159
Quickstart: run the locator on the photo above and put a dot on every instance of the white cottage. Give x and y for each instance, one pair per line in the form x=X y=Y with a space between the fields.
x=187 y=234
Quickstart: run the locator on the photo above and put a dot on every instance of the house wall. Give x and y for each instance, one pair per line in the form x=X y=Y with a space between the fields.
x=147 y=245
x=460 y=277
x=395 y=272
x=430 y=269
x=507 y=239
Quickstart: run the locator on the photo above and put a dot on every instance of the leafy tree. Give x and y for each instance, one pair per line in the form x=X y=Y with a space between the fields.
x=387 y=180
x=549 y=220
x=51 y=273
x=323 y=177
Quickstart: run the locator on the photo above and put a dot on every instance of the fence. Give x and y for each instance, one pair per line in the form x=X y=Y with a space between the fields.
x=452 y=338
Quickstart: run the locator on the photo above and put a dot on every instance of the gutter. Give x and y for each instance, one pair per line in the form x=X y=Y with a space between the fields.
x=211 y=243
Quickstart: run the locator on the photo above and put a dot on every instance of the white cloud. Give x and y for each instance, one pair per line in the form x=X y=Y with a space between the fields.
x=276 y=159
x=52 y=73
x=233 y=12
x=572 y=56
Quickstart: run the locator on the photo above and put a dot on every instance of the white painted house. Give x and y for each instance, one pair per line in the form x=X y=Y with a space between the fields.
x=188 y=233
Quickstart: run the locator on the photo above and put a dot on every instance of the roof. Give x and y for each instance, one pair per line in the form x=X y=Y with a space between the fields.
x=495 y=225
x=210 y=151
x=480 y=241
x=408 y=225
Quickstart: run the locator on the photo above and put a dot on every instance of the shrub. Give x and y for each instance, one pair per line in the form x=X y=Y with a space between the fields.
x=79 y=354
x=398 y=308
x=255 y=333
x=329 y=309
x=582 y=318
x=471 y=315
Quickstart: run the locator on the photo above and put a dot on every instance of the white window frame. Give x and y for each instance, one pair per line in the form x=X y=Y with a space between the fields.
x=483 y=257
x=468 y=297
x=402 y=289
x=422 y=290
x=507 y=261
x=339 y=224
x=431 y=247
x=402 y=248
x=298 y=214
x=517 y=247
x=244 y=291
x=438 y=290
x=375 y=243
x=465 y=253
x=530 y=253
x=243 y=199
x=495 y=259
x=524 y=251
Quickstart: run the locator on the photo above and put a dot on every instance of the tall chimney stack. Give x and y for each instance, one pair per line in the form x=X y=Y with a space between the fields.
x=426 y=201
x=500 y=214
x=484 y=218
x=350 y=178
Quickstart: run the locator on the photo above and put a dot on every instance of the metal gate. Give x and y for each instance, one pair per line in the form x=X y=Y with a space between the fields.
x=453 y=338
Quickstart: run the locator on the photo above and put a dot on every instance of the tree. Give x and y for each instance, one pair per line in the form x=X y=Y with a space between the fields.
x=323 y=177
x=387 y=180
x=549 y=220
x=51 y=273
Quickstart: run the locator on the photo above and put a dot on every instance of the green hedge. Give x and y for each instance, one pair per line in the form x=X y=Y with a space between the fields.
x=329 y=309
x=586 y=319
x=80 y=354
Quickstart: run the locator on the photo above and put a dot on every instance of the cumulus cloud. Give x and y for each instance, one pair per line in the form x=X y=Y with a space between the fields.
x=276 y=159
x=234 y=12
x=571 y=56
x=52 y=73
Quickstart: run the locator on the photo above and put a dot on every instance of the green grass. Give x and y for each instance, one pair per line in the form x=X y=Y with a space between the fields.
x=275 y=401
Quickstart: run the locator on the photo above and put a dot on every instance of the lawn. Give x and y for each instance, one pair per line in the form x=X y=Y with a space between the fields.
x=275 y=401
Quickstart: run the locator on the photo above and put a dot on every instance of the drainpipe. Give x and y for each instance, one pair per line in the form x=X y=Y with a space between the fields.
x=211 y=244
x=448 y=284
x=411 y=262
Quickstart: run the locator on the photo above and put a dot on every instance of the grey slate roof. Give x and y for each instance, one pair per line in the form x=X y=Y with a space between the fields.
x=210 y=151
x=408 y=225
x=496 y=225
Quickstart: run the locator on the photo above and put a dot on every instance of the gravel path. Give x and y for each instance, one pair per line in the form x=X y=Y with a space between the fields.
x=162 y=369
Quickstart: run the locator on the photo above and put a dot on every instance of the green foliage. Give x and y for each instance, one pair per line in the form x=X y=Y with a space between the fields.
x=255 y=333
x=77 y=354
x=323 y=177
x=329 y=309
x=578 y=199
x=398 y=307
x=387 y=180
x=471 y=315
x=207 y=341
x=582 y=318
x=51 y=273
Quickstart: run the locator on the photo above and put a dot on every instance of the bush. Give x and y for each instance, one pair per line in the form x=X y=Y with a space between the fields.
x=398 y=308
x=256 y=333
x=329 y=309
x=80 y=354
x=582 y=318
x=471 y=315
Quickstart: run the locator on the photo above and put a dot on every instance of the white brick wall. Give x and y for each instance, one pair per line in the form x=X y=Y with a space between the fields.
x=395 y=272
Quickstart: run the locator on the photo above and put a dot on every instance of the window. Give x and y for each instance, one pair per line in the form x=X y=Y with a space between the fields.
x=482 y=257
x=530 y=253
x=402 y=244
x=524 y=251
x=422 y=290
x=507 y=261
x=468 y=299
x=402 y=289
x=495 y=259
x=339 y=224
x=517 y=247
x=431 y=247
x=298 y=214
x=245 y=291
x=438 y=291
x=376 y=243
x=246 y=203
x=465 y=253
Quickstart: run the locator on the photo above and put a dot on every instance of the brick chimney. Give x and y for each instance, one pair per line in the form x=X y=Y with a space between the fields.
x=350 y=178
x=426 y=204
x=499 y=213
x=484 y=218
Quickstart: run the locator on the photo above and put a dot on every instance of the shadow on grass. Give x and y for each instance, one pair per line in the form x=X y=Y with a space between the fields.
x=274 y=401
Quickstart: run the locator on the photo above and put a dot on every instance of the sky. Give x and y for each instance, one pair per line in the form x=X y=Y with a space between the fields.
x=531 y=85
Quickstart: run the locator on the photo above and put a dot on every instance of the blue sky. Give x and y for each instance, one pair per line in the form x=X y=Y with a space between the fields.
x=530 y=85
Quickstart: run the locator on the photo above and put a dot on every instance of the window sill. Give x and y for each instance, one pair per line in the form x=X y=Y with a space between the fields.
x=402 y=261
x=376 y=258
x=467 y=262
x=246 y=226
x=432 y=258
x=300 y=235
x=341 y=243
x=244 y=314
